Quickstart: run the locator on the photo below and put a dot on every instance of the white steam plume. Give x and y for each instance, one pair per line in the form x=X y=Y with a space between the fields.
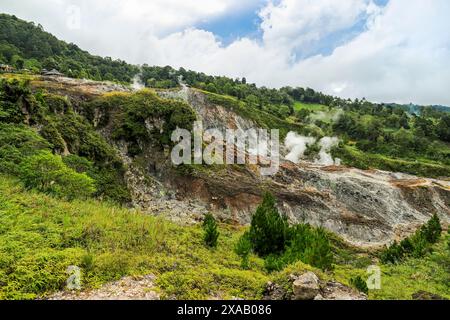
x=137 y=83
x=296 y=145
x=325 y=158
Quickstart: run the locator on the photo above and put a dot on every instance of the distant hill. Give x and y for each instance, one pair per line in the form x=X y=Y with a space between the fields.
x=27 y=45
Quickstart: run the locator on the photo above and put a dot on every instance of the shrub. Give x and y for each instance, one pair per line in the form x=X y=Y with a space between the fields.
x=16 y=143
x=359 y=284
x=318 y=252
x=243 y=249
x=48 y=173
x=271 y=237
x=274 y=263
x=310 y=245
x=210 y=231
x=417 y=245
x=268 y=231
x=432 y=230
x=392 y=254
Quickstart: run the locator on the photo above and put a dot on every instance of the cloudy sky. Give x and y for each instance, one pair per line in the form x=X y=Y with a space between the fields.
x=384 y=50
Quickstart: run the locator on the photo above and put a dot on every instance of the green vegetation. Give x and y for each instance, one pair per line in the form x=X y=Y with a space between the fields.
x=40 y=236
x=411 y=139
x=359 y=284
x=269 y=229
x=55 y=166
x=272 y=238
x=210 y=231
x=34 y=125
x=131 y=111
x=418 y=245
x=26 y=45
x=48 y=173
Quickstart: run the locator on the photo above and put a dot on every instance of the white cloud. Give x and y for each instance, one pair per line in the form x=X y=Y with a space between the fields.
x=402 y=54
x=295 y=24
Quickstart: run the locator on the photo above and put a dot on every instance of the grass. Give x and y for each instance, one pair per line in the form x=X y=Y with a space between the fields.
x=40 y=237
x=351 y=156
x=400 y=282
x=310 y=106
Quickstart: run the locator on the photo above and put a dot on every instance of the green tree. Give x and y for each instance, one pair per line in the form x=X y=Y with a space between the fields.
x=443 y=128
x=432 y=230
x=243 y=249
x=268 y=231
x=48 y=173
x=210 y=231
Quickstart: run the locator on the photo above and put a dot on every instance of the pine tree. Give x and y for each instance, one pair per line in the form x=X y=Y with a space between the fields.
x=210 y=231
x=243 y=249
x=268 y=231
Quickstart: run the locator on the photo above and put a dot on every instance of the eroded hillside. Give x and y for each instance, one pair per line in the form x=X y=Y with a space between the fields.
x=366 y=207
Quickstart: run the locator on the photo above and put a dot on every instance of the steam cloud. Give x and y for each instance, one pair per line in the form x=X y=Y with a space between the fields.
x=325 y=158
x=137 y=83
x=297 y=145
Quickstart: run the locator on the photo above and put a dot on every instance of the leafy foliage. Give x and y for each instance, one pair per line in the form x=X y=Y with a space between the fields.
x=48 y=173
x=24 y=44
x=243 y=248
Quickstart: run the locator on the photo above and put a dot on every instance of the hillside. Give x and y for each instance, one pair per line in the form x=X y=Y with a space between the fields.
x=41 y=236
x=87 y=180
x=382 y=136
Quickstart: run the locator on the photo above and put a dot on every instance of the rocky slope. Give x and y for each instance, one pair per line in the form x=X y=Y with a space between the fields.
x=368 y=208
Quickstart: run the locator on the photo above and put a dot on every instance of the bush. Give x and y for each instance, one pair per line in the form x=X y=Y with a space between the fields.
x=359 y=284
x=417 y=245
x=432 y=230
x=48 y=173
x=274 y=263
x=268 y=231
x=318 y=252
x=210 y=231
x=243 y=249
x=271 y=237
x=309 y=245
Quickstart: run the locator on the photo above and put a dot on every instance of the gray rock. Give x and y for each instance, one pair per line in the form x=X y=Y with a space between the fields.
x=306 y=287
x=337 y=291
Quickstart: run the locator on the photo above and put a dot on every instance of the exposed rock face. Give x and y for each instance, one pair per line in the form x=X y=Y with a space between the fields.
x=306 y=287
x=366 y=207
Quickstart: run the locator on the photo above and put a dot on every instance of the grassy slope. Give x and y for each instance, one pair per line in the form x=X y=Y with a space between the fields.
x=41 y=236
x=310 y=106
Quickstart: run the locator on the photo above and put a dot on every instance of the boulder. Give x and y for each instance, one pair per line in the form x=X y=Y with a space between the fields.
x=337 y=291
x=306 y=287
x=424 y=295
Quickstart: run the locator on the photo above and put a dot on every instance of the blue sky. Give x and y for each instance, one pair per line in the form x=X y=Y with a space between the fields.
x=246 y=23
x=230 y=27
